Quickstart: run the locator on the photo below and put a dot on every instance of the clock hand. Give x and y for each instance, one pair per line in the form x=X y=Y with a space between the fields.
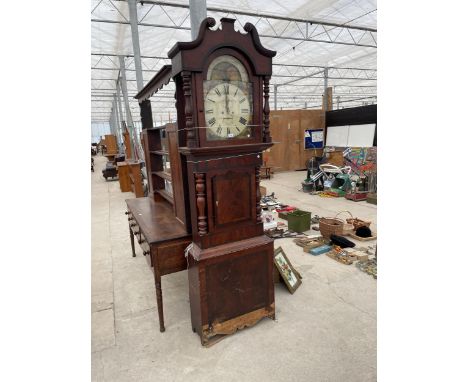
x=227 y=104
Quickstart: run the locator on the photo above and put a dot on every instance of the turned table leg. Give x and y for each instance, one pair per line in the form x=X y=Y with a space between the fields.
x=132 y=241
x=157 y=283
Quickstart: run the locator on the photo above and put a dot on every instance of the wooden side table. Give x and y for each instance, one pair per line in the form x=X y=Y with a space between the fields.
x=162 y=238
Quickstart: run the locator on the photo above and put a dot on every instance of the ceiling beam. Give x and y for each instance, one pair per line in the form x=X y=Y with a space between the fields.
x=263 y=15
x=304 y=38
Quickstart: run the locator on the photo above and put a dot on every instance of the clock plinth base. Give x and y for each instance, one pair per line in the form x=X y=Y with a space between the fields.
x=231 y=287
x=215 y=333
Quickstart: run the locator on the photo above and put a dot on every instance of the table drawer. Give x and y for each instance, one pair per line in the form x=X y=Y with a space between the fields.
x=171 y=257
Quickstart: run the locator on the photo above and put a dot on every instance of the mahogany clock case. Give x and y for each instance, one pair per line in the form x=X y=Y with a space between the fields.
x=231 y=288
x=231 y=260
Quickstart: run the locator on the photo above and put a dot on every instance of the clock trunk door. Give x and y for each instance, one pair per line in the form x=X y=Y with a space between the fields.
x=234 y=202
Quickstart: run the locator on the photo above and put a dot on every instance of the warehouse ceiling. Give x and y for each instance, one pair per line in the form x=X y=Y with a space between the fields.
x=308 y=37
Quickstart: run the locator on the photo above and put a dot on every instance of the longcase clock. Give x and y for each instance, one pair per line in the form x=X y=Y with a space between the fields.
x=222 y=99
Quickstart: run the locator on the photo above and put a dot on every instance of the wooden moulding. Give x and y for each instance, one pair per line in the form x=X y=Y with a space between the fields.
x=219 y=330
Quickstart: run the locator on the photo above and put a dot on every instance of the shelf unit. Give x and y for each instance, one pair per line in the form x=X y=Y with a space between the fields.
x=163 y=164
x=158 y=163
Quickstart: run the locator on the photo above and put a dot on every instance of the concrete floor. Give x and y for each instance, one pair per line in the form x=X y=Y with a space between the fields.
x=326 y=331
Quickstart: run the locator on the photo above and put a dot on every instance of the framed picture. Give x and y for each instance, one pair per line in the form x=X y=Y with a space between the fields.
x=290 y=276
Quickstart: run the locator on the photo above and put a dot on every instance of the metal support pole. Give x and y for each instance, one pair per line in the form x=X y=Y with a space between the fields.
x=117 y=121
x=132 y=11
x=112 y=119
x=128 y=113
x=197 y=15
x=325 y=87
x=119 y=102
x=275 y=90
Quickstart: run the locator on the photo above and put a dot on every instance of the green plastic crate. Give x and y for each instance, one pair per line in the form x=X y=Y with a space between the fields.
x=299 y=221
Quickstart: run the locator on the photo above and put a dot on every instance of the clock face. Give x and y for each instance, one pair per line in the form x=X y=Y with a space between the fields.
x=227 y=100
x=227 y=111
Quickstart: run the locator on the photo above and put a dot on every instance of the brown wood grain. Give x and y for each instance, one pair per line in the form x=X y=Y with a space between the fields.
x=176 y=172
x=287 y=130
x=135 y=178
x=156 y=219
x=128 y=149
x=124 y=178
x=110 y=141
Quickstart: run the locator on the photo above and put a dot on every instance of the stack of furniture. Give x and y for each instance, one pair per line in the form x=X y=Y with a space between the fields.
x=136 y=182
x=203 y=210
x=129 y=170
x=128 y=149
x=130 y=178
x=110 y=141
x=124 y=176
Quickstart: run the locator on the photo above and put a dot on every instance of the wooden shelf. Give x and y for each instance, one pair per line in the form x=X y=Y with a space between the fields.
x=166 y=195
x=164 y=168
x=159 y=152
x=163 y=175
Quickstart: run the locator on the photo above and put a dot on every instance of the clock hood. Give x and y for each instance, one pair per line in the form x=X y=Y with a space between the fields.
x=209 y=40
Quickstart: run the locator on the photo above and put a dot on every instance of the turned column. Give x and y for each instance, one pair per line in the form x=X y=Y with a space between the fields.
x=188 y=110
x=266 y=109
x=200 y=189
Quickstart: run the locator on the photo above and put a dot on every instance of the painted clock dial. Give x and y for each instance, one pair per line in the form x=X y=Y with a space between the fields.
x=227 y=100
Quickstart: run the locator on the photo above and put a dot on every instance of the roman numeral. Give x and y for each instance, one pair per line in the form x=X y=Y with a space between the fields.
x=217 y=91
x=237 y=129
x=209 y=111
x=218 y=130
x=228 y=131
x=212 y=121
x=243 y=120
x=226 y=89
x=236 y=92
x=209 y=99
x=242 y=100
x=244 y=110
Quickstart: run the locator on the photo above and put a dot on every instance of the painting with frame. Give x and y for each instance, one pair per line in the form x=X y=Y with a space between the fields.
x=290 y=276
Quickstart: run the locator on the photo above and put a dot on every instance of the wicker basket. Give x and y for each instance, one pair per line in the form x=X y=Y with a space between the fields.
x=358 y=223
x=331 y=226
x=348 y=227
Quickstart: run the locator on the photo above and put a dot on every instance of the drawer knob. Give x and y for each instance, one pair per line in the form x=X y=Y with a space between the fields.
x=136 y=233
x=126 y=212
x=133 y=225
x=146 y=253
x=141 y=241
